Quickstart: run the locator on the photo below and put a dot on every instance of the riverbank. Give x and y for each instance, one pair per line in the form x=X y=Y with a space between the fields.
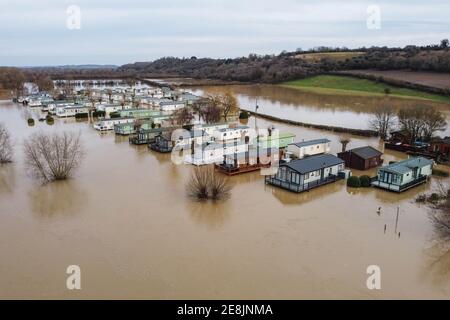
x=347 y=85
x=356 y=132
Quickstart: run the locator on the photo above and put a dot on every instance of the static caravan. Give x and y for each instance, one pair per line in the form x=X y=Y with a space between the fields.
x=211 y=152
x=139 y=113
x=282 y=140
x=211 y=128
x=226 y=134
x=403 y=175
x=51 y=108
x=304 y=149
x=70 y=111
x=132 y=127
x=171 y=106
x=34 y=102
x=109 y=108
x=197 y=137
x=108 y=124
x=304 y=174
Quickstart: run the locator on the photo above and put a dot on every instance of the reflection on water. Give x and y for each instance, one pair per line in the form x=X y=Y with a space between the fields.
x=334 y=110
x=211 y=214
x=7 y=179
x=297 y=199
x=58 y=198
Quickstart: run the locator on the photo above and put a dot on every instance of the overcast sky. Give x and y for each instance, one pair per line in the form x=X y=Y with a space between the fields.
x=34 y=32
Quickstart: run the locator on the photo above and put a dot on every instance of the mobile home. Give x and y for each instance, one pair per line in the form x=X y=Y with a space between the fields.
x=70 y=111
x=304 y=174
x=304 y=149
x=403 y=175
x=108 y=124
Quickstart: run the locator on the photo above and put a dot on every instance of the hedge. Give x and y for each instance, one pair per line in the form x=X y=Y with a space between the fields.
x=81 y=116
x=354 y=182
x=365 y=181
x=243 y=115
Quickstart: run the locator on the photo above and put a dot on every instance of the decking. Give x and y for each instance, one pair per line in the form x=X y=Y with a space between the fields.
x=397 y=188
x=232 y=170
x=300 y=188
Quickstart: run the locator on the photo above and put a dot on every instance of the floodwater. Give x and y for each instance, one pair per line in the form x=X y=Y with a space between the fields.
x=327 y=109
x=126 y=221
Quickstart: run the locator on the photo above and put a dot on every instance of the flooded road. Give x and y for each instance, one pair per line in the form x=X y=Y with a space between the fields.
x=326 y=109
x=126 y=221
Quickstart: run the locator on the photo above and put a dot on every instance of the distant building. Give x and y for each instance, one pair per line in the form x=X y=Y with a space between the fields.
x=440 y=147
x=403 y=175
x=363 y=158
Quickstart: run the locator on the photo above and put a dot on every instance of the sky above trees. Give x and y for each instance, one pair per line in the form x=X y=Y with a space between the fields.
x=34 y=32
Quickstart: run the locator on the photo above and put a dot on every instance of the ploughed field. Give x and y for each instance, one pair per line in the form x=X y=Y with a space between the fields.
x=347 y=85
x=431 y=79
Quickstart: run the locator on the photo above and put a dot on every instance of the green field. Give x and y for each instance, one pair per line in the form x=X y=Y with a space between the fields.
x=354 y=86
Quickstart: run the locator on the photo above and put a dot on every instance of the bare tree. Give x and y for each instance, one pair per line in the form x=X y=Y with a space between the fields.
x=6 y=147
x=229 y=104
x=109 y=92
x=439 y=203
x=212 y=113
x=205 y=183
x=433 y=121
x=412 y=120
x=197 y=186
x=344 y=141
x=219 y=187
x=383 y=120
x=68 y=87
x=44 y=83
x=53 y=156
x=182 y=116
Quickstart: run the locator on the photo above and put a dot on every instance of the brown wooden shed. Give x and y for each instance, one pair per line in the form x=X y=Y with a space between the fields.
x=362 y=158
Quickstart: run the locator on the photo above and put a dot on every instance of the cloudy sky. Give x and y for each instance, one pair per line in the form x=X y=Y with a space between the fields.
x=35 y=32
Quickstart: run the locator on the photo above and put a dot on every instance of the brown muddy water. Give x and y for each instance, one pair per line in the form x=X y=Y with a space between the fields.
x=326 y=109
x=126 y=221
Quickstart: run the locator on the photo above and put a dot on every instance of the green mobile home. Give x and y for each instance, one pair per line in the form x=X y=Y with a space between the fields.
x=130 y=128
x=139 y=113
x=280 y=141
x=403 y=175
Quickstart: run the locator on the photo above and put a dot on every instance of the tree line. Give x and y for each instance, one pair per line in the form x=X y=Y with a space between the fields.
x=292 y=65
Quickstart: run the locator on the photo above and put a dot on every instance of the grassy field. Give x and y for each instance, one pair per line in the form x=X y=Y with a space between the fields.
x=354 y=86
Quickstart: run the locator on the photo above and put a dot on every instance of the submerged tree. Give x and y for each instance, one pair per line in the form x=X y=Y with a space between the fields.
x=411 y=119
x=6 y=147
x=434 y=121
x=183 y=116
x=212 y=113
x=383 y=120
x=205 y=183
x=229 y=104
x=421 y=122
x=54 y=156
x=344 y=141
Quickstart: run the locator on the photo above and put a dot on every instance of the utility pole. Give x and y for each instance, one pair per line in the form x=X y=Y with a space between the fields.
x=396 y=220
